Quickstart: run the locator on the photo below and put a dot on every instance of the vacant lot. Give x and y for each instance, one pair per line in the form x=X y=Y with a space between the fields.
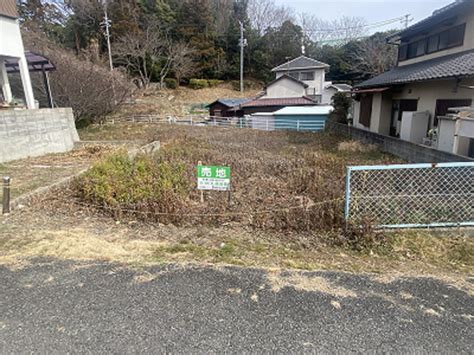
x=285 y=211
x=280 y=180
x=32 y=173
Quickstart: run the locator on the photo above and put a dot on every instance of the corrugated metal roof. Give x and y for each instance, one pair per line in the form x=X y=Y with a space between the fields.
x=301 y=62
x=36 y=62
x=8 y=8
x=305 y=110
x=450 y=66
x=290 y=101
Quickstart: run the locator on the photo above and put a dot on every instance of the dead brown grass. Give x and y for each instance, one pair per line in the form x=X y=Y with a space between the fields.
x=180 y=101
x=280 y=180
x=31 y=173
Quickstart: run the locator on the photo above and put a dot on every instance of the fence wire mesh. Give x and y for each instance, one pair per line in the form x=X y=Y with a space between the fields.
x=412 y=195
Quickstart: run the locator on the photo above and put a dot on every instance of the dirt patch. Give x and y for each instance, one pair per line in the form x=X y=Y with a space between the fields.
x=307 y=282
x=32 y=173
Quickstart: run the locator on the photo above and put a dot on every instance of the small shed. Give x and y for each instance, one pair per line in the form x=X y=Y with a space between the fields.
x=226 y=107
x=311 y=118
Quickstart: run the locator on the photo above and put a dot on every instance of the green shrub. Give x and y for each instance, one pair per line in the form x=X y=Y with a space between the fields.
x=171 y=83
x=214 y=82
x=198 y=84
x=145 y=184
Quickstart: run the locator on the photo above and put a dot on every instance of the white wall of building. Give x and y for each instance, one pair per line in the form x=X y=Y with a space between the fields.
x=11 y=47
x=316 y=86
x=11 y=44
x=428 y=92
x=284 y=88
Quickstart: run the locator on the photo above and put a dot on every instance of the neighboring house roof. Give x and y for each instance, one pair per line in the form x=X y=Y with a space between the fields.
x=288 y=101
x=229 y=102
x=36 y=62
x=8 y=8
x=305 y=110
x=340 y=87
x=437 y=16
x=284 y=76
x=301 y=62
x=450 y=66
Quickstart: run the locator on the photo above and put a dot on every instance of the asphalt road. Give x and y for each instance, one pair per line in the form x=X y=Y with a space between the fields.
x=61 y=307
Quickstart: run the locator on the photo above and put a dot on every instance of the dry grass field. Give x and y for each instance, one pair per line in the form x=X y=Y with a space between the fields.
x=286 y=209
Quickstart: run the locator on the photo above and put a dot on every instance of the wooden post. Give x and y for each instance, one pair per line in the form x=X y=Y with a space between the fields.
x=202 y=192
x=6 y=195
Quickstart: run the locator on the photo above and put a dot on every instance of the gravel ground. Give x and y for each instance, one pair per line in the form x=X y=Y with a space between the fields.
x=58 y=306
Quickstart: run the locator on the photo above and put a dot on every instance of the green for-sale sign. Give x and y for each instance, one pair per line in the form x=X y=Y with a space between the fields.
x=213 y=178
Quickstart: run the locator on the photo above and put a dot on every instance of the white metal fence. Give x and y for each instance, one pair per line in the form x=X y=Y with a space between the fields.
x=259 y=123
x=412 y=195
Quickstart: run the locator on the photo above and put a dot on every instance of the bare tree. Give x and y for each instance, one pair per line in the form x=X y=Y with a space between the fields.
x=338 y=31
x=139 y=51
x=374 y=56
x=183 y=62
x=92 y=90
x=264 y=14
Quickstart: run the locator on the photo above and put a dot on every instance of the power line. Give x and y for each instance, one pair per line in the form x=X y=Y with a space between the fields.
x=371 y=25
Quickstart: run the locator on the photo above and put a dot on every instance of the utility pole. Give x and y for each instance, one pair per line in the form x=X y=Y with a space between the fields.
x=242 y=44
x=107 y=24
x=407 y=20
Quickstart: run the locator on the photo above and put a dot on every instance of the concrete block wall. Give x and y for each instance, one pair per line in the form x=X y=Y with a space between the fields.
x=28 y=133
x=411 y=152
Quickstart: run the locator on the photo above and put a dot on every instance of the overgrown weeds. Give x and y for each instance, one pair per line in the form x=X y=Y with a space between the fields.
x=281 y=181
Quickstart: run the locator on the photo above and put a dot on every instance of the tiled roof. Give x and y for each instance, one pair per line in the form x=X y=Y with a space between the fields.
x=450 y=66
x=284 y=76
x=301 y=62
x=8 y=8
x=288 y=101
x=230 y=102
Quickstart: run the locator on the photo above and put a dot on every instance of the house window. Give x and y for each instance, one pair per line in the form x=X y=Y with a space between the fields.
x=307 y=75
x=402 y=52
x=453 y=37
x=365 y=110
x=433 y=44
x=294 y=74
x=416 y=49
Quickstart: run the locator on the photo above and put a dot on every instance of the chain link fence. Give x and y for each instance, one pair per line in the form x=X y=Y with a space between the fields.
x=412 y=195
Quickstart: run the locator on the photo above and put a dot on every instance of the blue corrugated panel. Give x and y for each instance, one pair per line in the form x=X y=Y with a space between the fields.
x=311 y=123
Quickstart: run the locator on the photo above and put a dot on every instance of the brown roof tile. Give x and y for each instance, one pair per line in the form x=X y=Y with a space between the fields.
x=8 y=8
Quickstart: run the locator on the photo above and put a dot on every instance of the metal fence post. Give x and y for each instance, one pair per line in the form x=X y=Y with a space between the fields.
x=297 y=125
x=348 y=194
x=266 y=124
x=6 y=195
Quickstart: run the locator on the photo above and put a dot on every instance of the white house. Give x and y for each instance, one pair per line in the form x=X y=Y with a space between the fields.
x=309 y=71
x=435 y=72
x=285 y=86
x=11 y=49
x=331 y=89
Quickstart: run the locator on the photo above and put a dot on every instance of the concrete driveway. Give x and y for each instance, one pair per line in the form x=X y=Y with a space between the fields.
x=52 y=306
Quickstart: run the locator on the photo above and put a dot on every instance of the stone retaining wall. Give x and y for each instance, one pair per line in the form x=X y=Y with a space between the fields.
x=27 y=133
x=411 y=152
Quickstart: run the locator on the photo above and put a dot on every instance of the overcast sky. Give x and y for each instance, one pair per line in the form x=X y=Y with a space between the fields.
x=372 y=10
